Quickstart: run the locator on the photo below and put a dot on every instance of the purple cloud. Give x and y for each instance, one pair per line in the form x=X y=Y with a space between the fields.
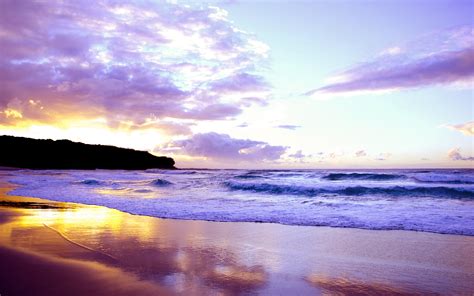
x=130 y=63
x=299 y=156
x=214 y=111
x=241 y=82
x=465 y=128
x=222 y=146
x=443 y=58
x=455 y=154
x=288 y=126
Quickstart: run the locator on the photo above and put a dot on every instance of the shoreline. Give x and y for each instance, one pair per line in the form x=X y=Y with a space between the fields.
x=232 y=257
x=245 y=222
x=252 y=222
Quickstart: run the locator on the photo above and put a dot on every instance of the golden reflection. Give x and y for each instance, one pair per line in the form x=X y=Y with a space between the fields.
x=152 y=249
x=144 y=193
x=85 y=217
x=345 y=286
x=248 y=276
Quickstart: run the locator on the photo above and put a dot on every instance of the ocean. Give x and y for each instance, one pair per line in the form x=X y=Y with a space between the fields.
x=440 y=201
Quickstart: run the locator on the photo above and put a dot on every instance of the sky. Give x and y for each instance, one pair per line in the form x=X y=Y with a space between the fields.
x=246 y=84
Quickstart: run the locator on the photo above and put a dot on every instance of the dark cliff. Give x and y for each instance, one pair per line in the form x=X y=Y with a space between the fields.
x=64 y=154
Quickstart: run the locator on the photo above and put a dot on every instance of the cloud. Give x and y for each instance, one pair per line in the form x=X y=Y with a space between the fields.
x=223 y=147
x=465 y=128
x=130 y=63
x=168 y=127
x=360 y=153
x=383 y=156
x=455 y=154
x=288 y=126
x=299 y=157
x=441 y=58
x=238 y=83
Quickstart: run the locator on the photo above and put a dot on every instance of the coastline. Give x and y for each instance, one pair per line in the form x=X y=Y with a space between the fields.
x=92 y=247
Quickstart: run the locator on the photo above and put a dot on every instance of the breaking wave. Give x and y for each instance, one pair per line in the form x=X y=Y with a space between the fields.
x=160 y=182
x=362 y=176
x=91 y=182
x=391 y=191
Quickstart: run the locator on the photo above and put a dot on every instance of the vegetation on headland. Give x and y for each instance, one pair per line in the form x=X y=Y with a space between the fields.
x=64 y=154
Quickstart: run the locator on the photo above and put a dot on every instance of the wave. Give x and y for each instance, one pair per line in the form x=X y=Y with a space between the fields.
x=310 y=200
x=393 y=191
x=289 y=175
x=143 y=191
x=260 y=175
x=447 y=179
x=116 y=185
x=171 y=172
x=160 y=183
x=249 y=176
x=362 y=176
x=91 y=182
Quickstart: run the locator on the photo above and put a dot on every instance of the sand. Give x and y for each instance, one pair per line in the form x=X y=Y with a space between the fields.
x=52 y=248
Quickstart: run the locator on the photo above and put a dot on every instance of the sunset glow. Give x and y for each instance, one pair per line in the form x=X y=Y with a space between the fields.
x=250 y=84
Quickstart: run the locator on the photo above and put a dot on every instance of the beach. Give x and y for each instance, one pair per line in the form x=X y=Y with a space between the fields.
x=236 y=147
x=54 y=248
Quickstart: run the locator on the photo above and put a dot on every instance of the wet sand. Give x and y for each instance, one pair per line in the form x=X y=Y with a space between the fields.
x=53 y=248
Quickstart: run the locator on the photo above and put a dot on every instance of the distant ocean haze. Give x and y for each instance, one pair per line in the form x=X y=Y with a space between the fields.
x=440 y=201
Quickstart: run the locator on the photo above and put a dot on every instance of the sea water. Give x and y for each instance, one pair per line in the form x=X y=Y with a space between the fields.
x=440 y=201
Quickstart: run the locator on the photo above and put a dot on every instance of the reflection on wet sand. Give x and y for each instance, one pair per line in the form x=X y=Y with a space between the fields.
x=344 y=286
x=73 y=246
x=109 y=238
x=31 y=273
